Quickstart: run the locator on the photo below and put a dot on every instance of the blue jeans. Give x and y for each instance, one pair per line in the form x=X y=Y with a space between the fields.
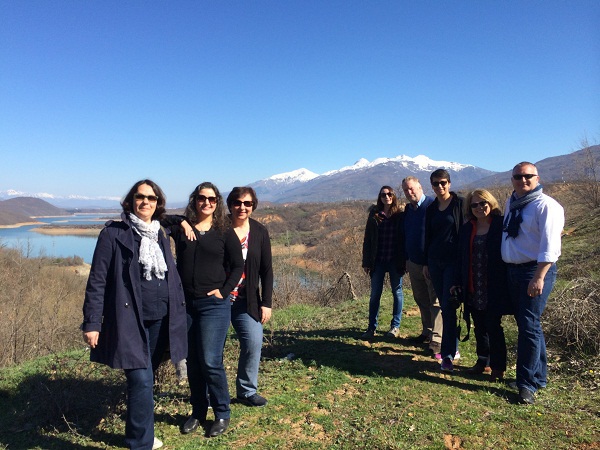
x=139 y=423
x=442 y=277
x=377 y=277
x=210 y=317
x=250 y=334
x=531 y=345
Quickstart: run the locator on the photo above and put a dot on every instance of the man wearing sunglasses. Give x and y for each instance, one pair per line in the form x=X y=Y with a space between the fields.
x=531 y=245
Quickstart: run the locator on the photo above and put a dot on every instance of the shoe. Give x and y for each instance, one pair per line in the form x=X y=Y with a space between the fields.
x=526 y=397
x=420 y=339
x=368 y=334
x=497 y=376
x=438 y=356
x=393 y=333
x=253 y=400
x=157 y=444
x=479 y=368
x=447 y=365
x=218 y=427
x=457 y=355
x=435 y=347
x=190 y=425
x=513 y=385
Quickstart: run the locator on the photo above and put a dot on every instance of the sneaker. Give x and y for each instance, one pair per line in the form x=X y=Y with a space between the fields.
x=368 y=334
x=253 y=400
x=438 y=356
x=393 y=333
x=447 y=365
x=157 y=444
x=457 y=355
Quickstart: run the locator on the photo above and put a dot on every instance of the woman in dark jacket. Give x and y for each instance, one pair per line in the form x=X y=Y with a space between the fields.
x=383 y=253
x=443 y=220
x=481 y=277
x=210 y=263
x=134 y=305
x=249 y=310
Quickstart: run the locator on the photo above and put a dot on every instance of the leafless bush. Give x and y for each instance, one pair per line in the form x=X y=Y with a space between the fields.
x=573 y=316
x=40 y=307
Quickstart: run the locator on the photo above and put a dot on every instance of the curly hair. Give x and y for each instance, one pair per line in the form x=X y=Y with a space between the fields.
x=128 y=202
x=191 y=214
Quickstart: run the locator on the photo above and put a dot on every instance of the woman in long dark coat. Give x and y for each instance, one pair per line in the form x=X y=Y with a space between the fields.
x=134 y=305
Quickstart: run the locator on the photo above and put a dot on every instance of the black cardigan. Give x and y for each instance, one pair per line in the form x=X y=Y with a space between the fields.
x=457 y=212
x=259 y=270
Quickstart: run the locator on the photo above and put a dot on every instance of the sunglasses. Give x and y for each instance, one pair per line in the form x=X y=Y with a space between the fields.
x=482 y=203
x=386 y=194
x=527 y=176
x=151 y=198
x=203 y=198
x=439 y=183
x=246 y=203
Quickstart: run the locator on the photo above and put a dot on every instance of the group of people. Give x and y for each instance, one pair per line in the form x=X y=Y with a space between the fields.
x=140 y=301
x=465 y=251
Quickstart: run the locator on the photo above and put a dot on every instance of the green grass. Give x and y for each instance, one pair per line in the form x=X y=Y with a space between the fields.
x=336 y=392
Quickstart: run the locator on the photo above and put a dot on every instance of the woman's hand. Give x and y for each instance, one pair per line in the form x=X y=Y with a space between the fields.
x=91 y=338
x=265 y=314
x=188 y=230
x=215 y=292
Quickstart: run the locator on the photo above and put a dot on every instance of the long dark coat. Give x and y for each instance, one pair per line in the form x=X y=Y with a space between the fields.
x=113 y=301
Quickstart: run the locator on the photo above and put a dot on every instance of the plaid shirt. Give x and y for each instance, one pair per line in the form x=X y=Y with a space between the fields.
x=385 y=231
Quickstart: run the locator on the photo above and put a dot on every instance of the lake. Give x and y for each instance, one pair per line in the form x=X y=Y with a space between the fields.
x=34 y=244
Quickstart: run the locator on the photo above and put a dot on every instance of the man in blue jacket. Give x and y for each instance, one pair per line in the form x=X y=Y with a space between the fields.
x=414 y=245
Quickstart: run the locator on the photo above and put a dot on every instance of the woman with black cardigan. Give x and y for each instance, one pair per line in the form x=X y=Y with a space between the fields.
x=249 y=309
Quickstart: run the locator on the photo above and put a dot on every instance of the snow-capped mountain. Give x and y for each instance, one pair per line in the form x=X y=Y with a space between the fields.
x=361 y=180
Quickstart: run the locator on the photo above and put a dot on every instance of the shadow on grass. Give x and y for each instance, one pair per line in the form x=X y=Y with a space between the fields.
x=45 y=404
x=343 y=350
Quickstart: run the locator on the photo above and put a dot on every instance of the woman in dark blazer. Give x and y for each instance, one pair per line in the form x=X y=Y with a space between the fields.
x=249 y=309
x=481 y=277
x=134 y=305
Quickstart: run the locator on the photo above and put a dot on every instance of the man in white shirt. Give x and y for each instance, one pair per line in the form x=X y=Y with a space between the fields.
x=531 y=245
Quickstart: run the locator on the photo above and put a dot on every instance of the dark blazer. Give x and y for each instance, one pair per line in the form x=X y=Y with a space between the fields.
x=497 y=284
x=113 y=300
x=371 y=240
x=259 y=268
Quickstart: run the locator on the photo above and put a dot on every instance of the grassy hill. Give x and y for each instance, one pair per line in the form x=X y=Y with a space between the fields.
x=328 y=389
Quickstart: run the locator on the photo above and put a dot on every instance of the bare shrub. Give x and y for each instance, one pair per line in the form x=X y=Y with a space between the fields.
x=573 y=316
x=40 y=308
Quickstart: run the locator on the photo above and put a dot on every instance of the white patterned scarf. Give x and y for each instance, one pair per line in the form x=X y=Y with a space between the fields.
x=151 y=256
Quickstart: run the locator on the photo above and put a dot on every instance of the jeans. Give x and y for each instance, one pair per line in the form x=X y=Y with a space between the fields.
x=426 y=300
x=442 y=277
x=139 y=423
x=377 y=277
x=531 y=345
x=250 y=334
x=210 y=317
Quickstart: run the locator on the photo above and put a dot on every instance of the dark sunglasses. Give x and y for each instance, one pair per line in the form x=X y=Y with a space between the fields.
x=246 y=203
x=482 y=203
x=203 y=198
x=151 y=198
x=439 y=183
x=386 y=194
x=527 y=176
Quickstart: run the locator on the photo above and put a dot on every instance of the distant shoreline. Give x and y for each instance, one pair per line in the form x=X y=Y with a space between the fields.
x=85 y=230
x=22 y=224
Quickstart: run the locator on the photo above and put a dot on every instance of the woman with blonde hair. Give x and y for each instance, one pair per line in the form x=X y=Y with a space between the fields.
x=481 y=278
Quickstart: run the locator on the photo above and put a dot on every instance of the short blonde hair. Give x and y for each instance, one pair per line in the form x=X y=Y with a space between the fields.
x=485 y=195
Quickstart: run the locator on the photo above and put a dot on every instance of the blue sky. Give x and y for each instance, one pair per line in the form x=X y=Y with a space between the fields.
x=95 y=95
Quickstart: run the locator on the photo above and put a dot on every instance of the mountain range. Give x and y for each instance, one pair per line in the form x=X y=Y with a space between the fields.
x=363 y=179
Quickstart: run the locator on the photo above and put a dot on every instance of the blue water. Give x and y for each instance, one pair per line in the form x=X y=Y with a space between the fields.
x=34 y=244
